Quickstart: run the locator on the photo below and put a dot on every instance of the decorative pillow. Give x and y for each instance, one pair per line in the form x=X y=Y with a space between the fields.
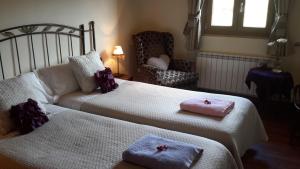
x=105 y=80
x=162 y=62
x=84 y=68
x=28 y=116
x=59 y=79
x=15 y=91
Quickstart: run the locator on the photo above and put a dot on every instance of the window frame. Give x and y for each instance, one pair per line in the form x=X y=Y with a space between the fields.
x=237 y=28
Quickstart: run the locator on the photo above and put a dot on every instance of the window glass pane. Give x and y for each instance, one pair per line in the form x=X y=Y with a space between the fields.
x=222 y=12
x=256 y=13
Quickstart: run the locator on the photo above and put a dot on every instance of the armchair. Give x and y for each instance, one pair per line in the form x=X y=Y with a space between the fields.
x=180 y=73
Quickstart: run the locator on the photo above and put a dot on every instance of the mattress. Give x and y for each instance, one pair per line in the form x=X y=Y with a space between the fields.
x=159 y=106
x=77 y=140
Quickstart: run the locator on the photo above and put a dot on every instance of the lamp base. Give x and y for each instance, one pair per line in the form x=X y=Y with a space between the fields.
x=276 y=70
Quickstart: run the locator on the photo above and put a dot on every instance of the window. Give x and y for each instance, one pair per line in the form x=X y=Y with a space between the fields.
x=238 y=17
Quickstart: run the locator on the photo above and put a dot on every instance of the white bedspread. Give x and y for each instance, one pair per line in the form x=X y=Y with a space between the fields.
x=159 y=106
x=77 y=140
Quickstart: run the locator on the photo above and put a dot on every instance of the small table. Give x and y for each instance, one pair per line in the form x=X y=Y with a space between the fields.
x=123 y=76
x=270 y=83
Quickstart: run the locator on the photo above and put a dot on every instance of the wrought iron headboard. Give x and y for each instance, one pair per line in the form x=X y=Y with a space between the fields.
x=45 y=29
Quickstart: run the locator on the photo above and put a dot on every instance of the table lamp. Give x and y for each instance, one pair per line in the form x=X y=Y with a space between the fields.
x=118 y=53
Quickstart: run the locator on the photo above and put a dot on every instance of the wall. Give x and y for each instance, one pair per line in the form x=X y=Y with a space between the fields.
x=127 y=25
x=68 y=12
x=292 y=62
x=171 y=15
x=117 y=20
x=166 y=15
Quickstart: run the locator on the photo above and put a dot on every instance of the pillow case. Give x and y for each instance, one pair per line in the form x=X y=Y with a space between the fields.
x=59 y=79
x=162 y=62
x=84 y=68
x=105 y=80
x=15 y=91
x=28 y=116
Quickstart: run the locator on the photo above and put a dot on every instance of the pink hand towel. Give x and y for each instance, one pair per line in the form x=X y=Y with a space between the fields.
x=212 y=107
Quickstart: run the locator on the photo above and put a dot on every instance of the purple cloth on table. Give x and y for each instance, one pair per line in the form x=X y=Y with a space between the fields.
x=28 y=116
x=269 y=82
x=105 y=80
x=178 y=155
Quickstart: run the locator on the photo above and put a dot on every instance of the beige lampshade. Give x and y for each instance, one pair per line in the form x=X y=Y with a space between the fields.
x=118 y=51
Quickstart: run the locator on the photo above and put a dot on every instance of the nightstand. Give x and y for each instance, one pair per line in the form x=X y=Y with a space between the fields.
x=123 y=76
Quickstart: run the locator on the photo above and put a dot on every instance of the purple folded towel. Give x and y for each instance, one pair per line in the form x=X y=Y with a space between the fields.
x=155 y=152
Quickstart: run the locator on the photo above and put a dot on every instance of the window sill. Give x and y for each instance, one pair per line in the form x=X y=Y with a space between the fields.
x=236 y=36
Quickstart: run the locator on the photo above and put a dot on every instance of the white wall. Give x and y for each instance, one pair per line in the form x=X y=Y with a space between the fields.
x=163 y=15
x=68 y=12
x=171 y=16
x=127 y=25
x=292 y=63
x=117 y=20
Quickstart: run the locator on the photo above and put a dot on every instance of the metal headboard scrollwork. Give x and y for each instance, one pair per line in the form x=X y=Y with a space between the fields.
x=45 y=30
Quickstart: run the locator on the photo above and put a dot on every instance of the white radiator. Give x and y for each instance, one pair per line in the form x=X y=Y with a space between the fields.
x=227 y=73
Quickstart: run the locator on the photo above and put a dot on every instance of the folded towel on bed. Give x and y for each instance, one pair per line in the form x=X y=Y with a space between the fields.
x=213 y=107
x=155 y=152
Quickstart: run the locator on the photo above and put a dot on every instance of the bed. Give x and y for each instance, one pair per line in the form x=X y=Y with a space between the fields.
x=159 y=106
x=74 y=139
x=133 y=101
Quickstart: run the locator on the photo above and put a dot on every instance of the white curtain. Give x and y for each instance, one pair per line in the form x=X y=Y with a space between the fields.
x=192 y=29
x=279 y=28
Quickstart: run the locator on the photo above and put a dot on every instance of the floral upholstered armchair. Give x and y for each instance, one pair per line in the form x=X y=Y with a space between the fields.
x=180 y=73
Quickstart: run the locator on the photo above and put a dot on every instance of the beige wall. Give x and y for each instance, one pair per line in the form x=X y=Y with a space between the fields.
x=292 y=63
x=117 y=20
x=171 y=15
x=69 y=12
x=127 y=25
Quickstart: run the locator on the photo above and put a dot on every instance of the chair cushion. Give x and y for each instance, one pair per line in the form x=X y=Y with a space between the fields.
x=174 y=78
x=162 y=62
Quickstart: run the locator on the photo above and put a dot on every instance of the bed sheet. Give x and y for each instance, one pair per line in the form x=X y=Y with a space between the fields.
x=73 y=139
x=159 y=106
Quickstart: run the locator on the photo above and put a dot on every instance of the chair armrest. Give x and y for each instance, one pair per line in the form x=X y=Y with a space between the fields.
x=183 y=65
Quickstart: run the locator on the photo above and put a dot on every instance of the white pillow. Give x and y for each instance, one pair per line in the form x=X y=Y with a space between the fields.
x=15 y=91
x=84 y=68
x=161 y=63
x=59 y=79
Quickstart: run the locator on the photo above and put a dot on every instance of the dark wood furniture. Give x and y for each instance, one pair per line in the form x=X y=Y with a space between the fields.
x=295 y=119
x=269 y=83
x=123 y=76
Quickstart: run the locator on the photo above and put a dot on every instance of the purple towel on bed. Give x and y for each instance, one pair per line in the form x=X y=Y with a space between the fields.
x=155 y=152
